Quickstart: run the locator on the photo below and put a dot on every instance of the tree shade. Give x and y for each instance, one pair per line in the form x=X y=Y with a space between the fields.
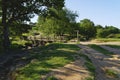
x=21 y=11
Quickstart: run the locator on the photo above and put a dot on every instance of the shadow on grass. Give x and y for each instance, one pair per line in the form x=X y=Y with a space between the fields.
x=45 y=58
x=100 y=49
x=114 y=46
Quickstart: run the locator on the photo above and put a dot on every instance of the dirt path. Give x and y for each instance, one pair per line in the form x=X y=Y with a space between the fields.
x=96 y=58
x=102 y=63
x=73 y=71
x=114 y=50
x=77 y=70
x=100 y=43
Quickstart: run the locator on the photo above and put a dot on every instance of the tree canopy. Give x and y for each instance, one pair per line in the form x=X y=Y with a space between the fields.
x=87 y=28
x=59 y=23
x=107 y=31
x=22 y=11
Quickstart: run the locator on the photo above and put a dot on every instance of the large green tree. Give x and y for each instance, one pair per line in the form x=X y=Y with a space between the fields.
x=107 y=31
x=87 y=28
x=23 y=10
x=112 y=29
x=57 y=22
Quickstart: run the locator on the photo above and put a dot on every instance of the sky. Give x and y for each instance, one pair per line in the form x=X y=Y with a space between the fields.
x=102 y=12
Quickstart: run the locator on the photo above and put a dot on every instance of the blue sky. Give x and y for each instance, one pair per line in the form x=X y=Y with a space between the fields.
x=103 y=12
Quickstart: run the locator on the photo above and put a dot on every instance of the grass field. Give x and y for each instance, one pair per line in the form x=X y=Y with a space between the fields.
x=49 y=57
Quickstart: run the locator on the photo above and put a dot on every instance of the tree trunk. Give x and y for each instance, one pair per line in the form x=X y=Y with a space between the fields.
x=6 y=40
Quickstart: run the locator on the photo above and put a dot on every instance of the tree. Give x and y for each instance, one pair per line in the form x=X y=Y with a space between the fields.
x=72 y=25
x=0 y=33
x=71 y=15
x=112 y=29
x=21 y=11
x=18 y=29
x=87 y=28
x=57 y=22
x=102 y=33
x=107 y=31
x=99 y=27
x=52 y=22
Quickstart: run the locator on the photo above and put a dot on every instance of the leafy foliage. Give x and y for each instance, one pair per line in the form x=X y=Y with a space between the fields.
x=21 y=11
x=108 y=31
x=57 y=22
x=87 y=28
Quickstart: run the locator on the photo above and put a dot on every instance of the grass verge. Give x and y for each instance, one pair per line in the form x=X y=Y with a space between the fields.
x=52 y=78
x=100 y=49
x=46 y=58
x=107 y=39
x=90 y=67
x=111 y=73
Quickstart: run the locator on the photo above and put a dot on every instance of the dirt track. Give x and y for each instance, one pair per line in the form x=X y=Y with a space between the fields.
x=76 y=70
x=73 y=71
x=100 y=43
x=102 y=63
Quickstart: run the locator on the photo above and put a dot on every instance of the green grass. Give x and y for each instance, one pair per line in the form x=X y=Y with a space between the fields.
x=107 y=39
x=89 y=64
x=114 y=46
x=100 y=49
x=89 y=78
x=46 y=58
x=111 y=73
x=52 y=78
x=90 y=67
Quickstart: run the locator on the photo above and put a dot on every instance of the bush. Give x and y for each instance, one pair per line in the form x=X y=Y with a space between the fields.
x=113 y=36
x=117 y=35
x=102 y=33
